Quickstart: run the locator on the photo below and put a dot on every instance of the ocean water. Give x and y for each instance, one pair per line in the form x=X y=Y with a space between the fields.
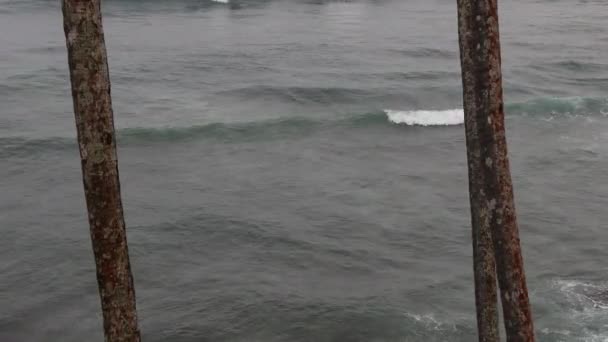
x=295 y=170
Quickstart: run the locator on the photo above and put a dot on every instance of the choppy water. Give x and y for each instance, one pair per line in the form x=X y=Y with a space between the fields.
x=295 y=170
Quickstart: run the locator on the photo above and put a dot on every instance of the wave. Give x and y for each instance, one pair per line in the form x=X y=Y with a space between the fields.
x=243 y=132
x=584 y=295
x=581 y=307
x=426 y=117
x=20 y=146
x=223 y=132
x=544 y=106
x=237 y=132
x=575 y=105
x=344 y=95
x=427 y=53
x=304 y=95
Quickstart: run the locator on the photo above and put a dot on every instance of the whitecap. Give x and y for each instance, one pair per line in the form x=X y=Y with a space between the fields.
x=448 y=117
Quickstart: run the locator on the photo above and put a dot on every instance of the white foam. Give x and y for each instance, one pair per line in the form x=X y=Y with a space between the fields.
x=595 y=337
x=430 y=322
x=583 y=293
x=448 y=117
x=585 y=308
x=221 y=1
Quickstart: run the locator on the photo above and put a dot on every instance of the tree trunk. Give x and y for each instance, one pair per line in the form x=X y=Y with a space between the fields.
x=485 y=273
x=95 y=125
x=490 y=189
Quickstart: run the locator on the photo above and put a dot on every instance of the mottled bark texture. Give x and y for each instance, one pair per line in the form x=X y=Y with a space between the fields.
x=490 y=189
x=95 y=124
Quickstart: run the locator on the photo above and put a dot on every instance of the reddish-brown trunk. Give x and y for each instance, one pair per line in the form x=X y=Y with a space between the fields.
x=491 y=192
x=95 y=125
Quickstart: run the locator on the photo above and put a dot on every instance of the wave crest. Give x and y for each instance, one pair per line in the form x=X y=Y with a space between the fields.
x=448 y=117
x=565 y=106
x=298 y=126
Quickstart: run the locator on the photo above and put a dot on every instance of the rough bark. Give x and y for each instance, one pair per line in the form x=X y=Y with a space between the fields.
x=95 y=125
x=490 y=188
x=484 y=268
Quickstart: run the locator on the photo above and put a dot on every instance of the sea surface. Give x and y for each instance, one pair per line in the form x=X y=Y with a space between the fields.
x=295 y=171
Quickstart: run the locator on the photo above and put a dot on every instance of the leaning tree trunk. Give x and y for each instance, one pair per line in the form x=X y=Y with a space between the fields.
x=95 y=124
x=490 y=189
x=484 y=266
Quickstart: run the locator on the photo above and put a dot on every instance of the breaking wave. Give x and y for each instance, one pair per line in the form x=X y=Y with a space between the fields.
x=301 y=126
x=579 y=311
x=426 y=117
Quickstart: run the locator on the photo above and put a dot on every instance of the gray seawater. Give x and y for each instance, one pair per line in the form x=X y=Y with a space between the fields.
x=270 y=196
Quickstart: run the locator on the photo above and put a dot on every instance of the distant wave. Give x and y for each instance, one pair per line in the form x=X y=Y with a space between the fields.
x=347 y=95
x=427 y=53
x=306 y=95
x=243 y=132
x=575 y=105
x=236 y=132
x=221 y=1
x=542 y=106
x=20 y=146
x=224 y=132
x=426 y=117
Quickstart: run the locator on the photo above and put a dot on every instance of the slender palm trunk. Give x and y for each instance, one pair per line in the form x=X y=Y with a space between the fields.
x=95 y=125
x=490 y=189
